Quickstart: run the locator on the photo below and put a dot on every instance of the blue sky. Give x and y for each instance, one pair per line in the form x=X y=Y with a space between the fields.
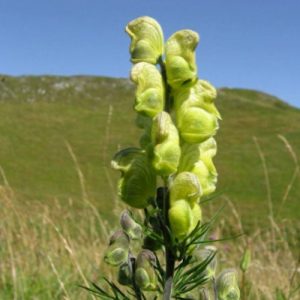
x=248 y=44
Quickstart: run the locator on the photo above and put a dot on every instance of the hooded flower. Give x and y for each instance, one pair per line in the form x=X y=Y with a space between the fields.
x=197 y=158
x=196 y=114
x=149 y=97
x=138 y=181
x=146 y=40
x=165 y=142
x=185 y=186
x=184 y=212
x=117 y=251
x=181 y=218
x=145 y=275
x=180 y=58
x=132 y=228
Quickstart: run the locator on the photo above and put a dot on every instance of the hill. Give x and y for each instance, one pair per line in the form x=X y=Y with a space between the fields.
x=39 y=116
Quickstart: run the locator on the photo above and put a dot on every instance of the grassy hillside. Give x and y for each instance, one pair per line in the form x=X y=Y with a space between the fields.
x=40 y=115
x=57 y=191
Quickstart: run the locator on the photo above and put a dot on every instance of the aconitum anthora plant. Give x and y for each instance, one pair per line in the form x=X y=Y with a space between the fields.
x=166 y=255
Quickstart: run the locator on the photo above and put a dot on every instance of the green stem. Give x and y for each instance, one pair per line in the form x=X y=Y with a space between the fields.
x=169 y=275
x=169 y=256
x=136 y=289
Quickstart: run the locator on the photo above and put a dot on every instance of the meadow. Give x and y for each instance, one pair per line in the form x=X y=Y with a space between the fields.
x=58 y=194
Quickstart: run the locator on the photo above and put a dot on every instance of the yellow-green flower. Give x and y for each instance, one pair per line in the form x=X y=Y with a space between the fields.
x=180 y=218
x=165 y=142
x=183 y=217
x=196 y=114
x=197 y=158
x=184 y=212
x=150 y=94
x=180 y=58
x=138 y=180
x=185 y=186
x=201 y=95
x=146 y=40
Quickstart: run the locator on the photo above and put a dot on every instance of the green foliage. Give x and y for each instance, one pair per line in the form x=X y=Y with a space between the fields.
x=38 y=114
x=280 y=295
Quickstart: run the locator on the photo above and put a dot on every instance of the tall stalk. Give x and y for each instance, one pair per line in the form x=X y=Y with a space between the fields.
x=178 y=117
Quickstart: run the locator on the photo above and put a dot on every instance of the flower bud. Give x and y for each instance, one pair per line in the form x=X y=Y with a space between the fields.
x=125 y=274
x=180 y=58
x=145 y=276
x=227 y=285
x=206 y=253
x=149 y=97
x=180 y=218
x=246 y=259
x=138 y=179
x=165 y=141
x=117 y=251
x=132 y=228
x=146 y=40
x=185 y=186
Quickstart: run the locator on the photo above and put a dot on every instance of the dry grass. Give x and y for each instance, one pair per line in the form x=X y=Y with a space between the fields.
x=275 y=262
x=47 y=250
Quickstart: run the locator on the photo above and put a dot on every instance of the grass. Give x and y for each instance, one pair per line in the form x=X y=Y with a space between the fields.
x=57 y=193
x=47 y=251
x=38 y=115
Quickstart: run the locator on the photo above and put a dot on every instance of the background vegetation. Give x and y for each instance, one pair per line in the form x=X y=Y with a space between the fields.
x=57 y=193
